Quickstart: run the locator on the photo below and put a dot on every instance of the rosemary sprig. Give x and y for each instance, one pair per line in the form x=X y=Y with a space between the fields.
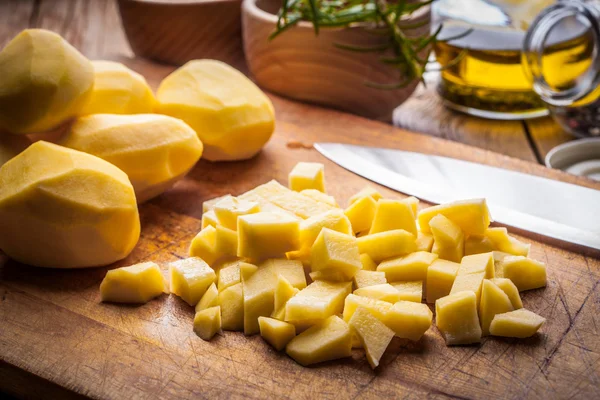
x=408 y=54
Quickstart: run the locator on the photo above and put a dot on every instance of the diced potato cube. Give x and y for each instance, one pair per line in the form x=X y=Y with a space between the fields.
x=303 y=206
x=226 y=242
x=137 y=283
x=448 y=238
x=259 y=300
x=266 y=205
x=367 y=191
x=361 y=213
x=502 y=241
x=204 y=245
x=230 y=208
x=247 y=270
x=373 y=334
x=493 y=301
x=277 y=333
x=384 y=291
x=378 y=308
x=413 y=202
x=335 y=251
x=329 y=275
x=499 y=256
x=209 y=299
x=368 y=278
x=410 y=290
x=307 y=175
x=477 y=245
x=291 y=270
x=209 y=218
x=511 y=291
x=525 y=273
x=520 y=323
x=456 y=317
x=318 y=300
x=319 y=196
x=335 y=220
x=267 y=235
x=231 y=301
x=448 y=253
x=469 y=282
x=329 y=340
x=412 y=267
x=229 y=275
x=384 y=245
x=424 y=242
x=409 y=320
x=440 y=278
x=393 y=214
x=304 y=324
x=209 y=205
x=207 y=322
x=471 y=216
x=190 y=278
x=367 y=263
x=478 y=263
x=283 y=292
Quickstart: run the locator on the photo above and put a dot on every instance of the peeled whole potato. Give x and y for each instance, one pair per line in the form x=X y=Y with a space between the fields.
x=231 y=115
x=66 y=209
x=118 y=90
x=44 y=82
x=153 y=150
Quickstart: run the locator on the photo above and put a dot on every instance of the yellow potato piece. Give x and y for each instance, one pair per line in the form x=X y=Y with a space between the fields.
x=329 y=275
x=409 y=320
x=231 y=301
x=469 y=282
x=302 y=206
x=319 y=196
x=524 y=272
x=502 y=241
x=226 y=242
x=267 y=235
x=413 y=202
x=65 y=209
x=307 y=175
x=378 y=308
x=410 y=290
x=477 y=245
x=424 y=242
x=511 y=291
x=361 y=213
x=209 y=218
x=247 y=270
x=11 y=145
x=373 y=334
x=471 y=216
x=277 y=333
x=335 y=220
x=229 y=275
x=440 y=278
x=155 y=151
x=291 y=270
x=411 y=267
x=493 y=301
x=190 y=278
x=230 y=208
x=448 y=238
x=393 y=214
x=384 y=245
x=207 y=322
x=366 y=191
x=456 y=317
x=318 y=300
x=383 y=291
x=478 y=263
x=520 y=323
x=329 y=340
x=283 y=292
x=204 y=245
x=336 y=252
x=266 y=205
x=137 y=283
x=118 y=90
x=259 y=292
x=368 y=278
x=209 y=299
x=499 y=256
x=231 y=115
x=367 y=263
x=45 y=82
x=209 y=205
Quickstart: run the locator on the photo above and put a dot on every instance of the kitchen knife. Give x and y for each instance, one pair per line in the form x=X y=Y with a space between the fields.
x=547 y=207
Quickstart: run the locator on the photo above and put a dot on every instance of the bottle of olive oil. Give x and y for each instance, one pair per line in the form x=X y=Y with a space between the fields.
x=482 y=71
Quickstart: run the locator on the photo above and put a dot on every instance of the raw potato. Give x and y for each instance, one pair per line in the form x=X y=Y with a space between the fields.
x=231 y=301
x=231 y=115
x=229 y=275
x=524 y=272
x=317 y=301
x=204 y=245
x=267 y=235
x=424 y=242
x=329 y=340
x=511 y=291
x=368 y=278
x=118 y=90
x=383 y=245
x=502 y=241
x=384 y=291
x=284 y=291
x=319 y=196
x=226 y=242
x=366 y=191
x=493 y=301
x=207 y=322
x=393 y=214
x=137 y=283
x=367 y=263
x=307 y=176
x=448 y=238
x=209 y=299
x=45 y=82
x=374 y=336
x=409 y=320
x=190 y=278
x=471 y=216
x=335 y=252
x=411 y=267
x=259 y=291
x=440 y=278
x=456 y=317
x=310 y=228
x=230 y=208
x=520 y=323
x=410 y=290
x=478 y=244
x=277 y=333
x=478 y=263
x=155 y=151
x=66 y=209
x=361 y=213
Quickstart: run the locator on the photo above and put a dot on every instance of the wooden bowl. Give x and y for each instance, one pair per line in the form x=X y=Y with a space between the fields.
x=176 y=31
x=302 y=66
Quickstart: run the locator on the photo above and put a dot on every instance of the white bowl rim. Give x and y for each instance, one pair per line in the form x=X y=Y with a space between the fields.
x=561 y=148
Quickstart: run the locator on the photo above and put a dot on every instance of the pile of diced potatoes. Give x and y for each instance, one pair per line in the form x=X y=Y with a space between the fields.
x=318 y=280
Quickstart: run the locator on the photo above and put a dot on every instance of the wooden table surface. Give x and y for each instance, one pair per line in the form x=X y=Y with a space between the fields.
x=58 y=341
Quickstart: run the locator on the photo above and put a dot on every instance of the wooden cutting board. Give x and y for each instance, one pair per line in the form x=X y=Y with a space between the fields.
x=58 y=341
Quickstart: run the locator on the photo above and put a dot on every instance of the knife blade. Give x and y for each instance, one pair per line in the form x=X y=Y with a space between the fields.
x=531 y=203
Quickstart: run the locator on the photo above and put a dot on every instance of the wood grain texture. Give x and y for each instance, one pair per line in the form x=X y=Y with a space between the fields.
x=57 y=340
x=546 y=134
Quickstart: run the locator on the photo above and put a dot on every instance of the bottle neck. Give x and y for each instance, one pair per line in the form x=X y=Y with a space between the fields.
x=537 y=41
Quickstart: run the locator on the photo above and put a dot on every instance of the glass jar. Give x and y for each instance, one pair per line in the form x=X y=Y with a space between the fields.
x=562 y=57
